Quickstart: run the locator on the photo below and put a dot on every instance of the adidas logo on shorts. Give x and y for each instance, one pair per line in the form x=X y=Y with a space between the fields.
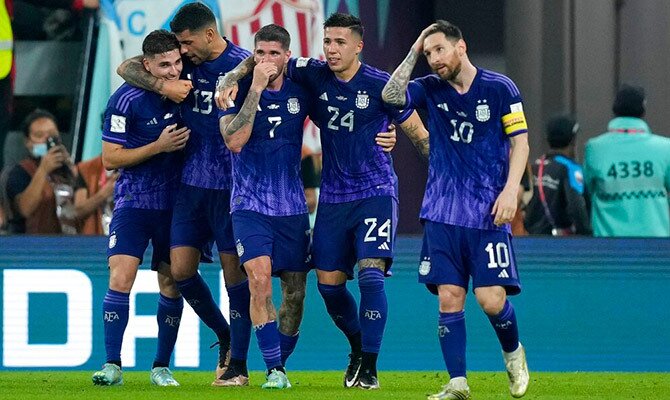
x=384 y=246
x=503 y=274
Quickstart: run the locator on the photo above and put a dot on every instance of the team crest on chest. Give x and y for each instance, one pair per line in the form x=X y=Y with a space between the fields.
x=293 y=105
x=362 y=99
x=482 y=112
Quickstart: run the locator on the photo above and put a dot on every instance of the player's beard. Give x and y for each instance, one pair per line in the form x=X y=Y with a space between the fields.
x=451 y=73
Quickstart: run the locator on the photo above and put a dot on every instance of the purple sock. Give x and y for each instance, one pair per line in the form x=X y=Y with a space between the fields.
x=168 y=316
x=374 y=308
x=451 y=333
x=197 y=295
x=506 y=328
x=341 y=306
x=240 y=320
x=115 y=316
x=287 y=344
x=267 y=336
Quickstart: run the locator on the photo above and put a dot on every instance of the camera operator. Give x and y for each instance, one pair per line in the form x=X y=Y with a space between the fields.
x=40 y=188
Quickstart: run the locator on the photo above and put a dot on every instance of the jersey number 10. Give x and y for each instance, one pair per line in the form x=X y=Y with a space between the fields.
x=463 y=132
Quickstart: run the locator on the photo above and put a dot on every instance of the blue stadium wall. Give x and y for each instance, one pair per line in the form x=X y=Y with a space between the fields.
x=587 y=305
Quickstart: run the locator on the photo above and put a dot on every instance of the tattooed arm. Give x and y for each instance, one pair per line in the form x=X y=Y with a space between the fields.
x=236 y=128
x=417 y=133
x=394 y=92
x=132 y=71
x=226 y=87
x=237 y=131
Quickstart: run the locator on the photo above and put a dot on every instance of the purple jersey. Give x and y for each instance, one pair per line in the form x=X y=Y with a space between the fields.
x=207 y=163
x=134 y=118
x=266 y=173
x=350 y=114
x=469 y=146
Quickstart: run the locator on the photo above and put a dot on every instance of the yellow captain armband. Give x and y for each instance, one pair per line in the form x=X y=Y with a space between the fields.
x=514 y=122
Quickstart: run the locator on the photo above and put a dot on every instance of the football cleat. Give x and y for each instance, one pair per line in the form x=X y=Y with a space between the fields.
x=109 y=375
x=456 y=389
x=276 y=380
x=517 y=371
x=235 y=374
x=224 y=358
x=162 y=376
x=353 y=370
x=368 y=380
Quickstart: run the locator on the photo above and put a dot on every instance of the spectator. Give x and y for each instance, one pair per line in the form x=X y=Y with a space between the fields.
x=627 y=173
x=29 y=199
x=558 y=206
x=94 y=199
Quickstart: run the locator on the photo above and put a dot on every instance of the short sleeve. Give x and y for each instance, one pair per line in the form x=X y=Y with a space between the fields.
x=513 y=118
x=117 y=115
x=416 y=95
x=303 y=70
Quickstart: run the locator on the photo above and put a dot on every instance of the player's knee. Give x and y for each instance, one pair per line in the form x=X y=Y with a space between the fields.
x=451 y=298
x=260 y=285
x=121 y=276
x=491 y=303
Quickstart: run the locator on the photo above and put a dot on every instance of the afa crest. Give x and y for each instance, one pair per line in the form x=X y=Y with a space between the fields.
x=362 y=100
x=112 y=240
x=293 y=105
x=482 y=112
x=424 y=267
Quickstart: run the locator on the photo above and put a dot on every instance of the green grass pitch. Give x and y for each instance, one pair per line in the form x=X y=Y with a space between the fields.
x=51 y=385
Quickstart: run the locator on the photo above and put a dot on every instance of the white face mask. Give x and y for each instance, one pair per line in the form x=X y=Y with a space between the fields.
x=39 y=150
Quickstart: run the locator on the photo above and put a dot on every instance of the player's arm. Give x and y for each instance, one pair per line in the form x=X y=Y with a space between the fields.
x=417 y=133
x=226 y=87
x=115 y=156
x=394 y=92
x=505 y=205
x=132 y=71
x=237 y=131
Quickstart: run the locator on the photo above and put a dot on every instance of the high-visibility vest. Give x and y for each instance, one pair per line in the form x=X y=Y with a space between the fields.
x=6 y=41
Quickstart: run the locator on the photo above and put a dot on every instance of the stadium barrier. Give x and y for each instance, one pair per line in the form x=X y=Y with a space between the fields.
x=587 y=304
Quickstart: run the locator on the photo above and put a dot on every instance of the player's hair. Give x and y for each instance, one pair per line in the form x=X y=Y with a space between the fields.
x=273 y=33
x=451 y=31
x=193 y=17
x=339 y=20
x=37 y=113
x=158 y=42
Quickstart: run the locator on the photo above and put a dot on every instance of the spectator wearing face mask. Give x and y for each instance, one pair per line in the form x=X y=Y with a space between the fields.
x=28 y=195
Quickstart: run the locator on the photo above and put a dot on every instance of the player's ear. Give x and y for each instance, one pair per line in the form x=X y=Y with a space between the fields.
x=288 y=55
x=462 y=47
x=359 y=47
x=145 y=63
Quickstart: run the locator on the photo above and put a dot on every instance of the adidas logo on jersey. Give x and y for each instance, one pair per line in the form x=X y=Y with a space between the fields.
x=503 y=274
x=384 y=246
x=324 y=96
x=443 y=106
x=153 y=121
